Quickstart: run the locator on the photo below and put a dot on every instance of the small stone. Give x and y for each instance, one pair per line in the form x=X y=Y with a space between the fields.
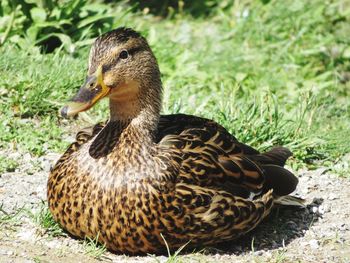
x=162 y=259
x=327 y=208
x=15 y=155
x=303 y=243
x=321 y=210
x=268 y=254
x=27 y=234
x=27 y=157
x=259 y=253
x=46 y=166
x=314 y=244
x=344 y=227
x=332 y=196
x=53 y=244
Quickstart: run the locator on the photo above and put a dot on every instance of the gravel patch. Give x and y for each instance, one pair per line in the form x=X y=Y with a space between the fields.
x=318 y=233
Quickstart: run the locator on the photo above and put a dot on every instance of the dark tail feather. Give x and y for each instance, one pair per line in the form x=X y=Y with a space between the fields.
x=282 y=181
x=289 y=200
x=277 y=156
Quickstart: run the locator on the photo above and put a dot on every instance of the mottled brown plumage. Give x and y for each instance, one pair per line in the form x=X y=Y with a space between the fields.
x=141 y=174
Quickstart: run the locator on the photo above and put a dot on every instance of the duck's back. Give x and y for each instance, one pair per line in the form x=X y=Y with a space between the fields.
x=215 y=158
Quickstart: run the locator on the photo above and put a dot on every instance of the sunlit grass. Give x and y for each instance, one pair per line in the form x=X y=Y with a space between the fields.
x=272 y=74
x=44 y=219
x=9 y=219
x=93 y=248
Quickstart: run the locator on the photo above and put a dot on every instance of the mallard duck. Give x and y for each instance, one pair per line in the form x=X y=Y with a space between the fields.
x=142 y=178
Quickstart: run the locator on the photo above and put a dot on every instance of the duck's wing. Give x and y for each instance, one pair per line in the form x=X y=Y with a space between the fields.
x=82 y=137
x=104 y=134
x=175 y=124
x=222 y=188
x=211 y=157
x=86 y=134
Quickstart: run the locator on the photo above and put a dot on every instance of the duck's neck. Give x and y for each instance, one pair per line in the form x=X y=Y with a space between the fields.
x=138 y=114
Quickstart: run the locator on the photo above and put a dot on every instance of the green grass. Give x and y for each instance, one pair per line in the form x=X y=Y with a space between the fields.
x=93 y=248
x=8 y=164
x=272 y=74
x=43 y=218
x=172 y=257
x=9 y=219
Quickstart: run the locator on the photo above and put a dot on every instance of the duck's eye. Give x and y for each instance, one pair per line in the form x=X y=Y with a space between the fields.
x=123 y=54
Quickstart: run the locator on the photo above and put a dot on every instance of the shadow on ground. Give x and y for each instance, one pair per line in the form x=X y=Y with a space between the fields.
x=280 y=228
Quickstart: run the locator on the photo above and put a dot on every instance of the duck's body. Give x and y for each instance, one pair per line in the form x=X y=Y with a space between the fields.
x=142 y=176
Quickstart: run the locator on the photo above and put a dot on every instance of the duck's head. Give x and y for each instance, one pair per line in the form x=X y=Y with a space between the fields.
x=122 y=67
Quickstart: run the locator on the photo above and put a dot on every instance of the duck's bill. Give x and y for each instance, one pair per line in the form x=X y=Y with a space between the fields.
x=92 y=91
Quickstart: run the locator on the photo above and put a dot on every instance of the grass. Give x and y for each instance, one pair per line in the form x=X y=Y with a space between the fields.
x=175 y=257
x=272 y=74
x=9 y=219
x=43 y=218
x=7 y=164
x=93 y=248
x=279 y=256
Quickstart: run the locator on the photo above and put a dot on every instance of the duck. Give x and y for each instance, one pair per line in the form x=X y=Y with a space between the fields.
x=142 y=181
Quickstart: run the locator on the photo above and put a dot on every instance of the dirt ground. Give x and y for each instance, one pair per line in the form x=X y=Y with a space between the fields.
x=318 y=233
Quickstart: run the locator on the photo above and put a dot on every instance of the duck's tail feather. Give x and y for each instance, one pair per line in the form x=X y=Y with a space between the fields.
x=282 y=181
x=289 y=200
x=277 y=156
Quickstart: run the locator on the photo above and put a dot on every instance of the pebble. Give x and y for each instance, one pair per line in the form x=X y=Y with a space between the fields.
x=327 y=208
x=259 y=253
x=332 y=196
x=268 y=254
x=162 y=259
x=303 y=243
x=46 y=166
x=27 y=234
x=314 y=244
x=3 y=252
x=344 y=227
x=27 y=158
x=321 y=210
x=53 y=244
x=24 y=121
x=15 y=155
x=314 y=209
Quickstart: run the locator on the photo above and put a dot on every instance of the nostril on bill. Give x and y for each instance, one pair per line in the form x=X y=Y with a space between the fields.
x=64 y=112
